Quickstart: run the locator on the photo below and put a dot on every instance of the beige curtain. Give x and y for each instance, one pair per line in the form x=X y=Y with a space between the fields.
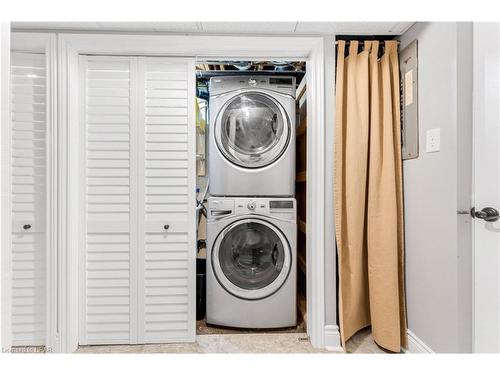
x=368 y=194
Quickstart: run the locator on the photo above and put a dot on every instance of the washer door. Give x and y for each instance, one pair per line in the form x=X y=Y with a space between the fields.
x=251 y=259
x=252 y=130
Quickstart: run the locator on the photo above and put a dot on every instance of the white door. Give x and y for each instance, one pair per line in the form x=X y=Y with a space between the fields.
x=486 y=186
x=167 y=179
x=108 y=310
x=28 y=121
x=138 y=248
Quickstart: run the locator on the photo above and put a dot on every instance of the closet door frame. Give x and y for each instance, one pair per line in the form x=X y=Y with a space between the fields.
x=319 y=196
x=33 y=43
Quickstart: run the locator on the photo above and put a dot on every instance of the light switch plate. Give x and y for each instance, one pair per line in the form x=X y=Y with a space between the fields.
x=433 y=140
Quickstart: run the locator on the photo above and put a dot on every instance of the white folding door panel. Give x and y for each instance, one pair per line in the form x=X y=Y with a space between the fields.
x=138 y=244
x=168 y=264
x=110 y=288
x=28 y=192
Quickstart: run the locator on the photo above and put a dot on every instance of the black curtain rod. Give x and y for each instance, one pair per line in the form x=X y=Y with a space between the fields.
x=363 y=41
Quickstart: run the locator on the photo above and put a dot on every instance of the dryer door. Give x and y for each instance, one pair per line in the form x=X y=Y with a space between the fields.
x=252 y=130
x=251 y=258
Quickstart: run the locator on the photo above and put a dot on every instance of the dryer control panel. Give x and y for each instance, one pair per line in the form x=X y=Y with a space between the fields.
x=282 y=84
x=277 y=207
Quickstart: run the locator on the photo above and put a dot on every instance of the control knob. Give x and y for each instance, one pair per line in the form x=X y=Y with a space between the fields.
x=251 y=206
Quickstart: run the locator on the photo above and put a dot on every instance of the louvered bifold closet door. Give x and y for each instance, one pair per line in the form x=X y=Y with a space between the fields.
x=139 y=256
x=168 y=267
x=108 y=312
x=28 y=116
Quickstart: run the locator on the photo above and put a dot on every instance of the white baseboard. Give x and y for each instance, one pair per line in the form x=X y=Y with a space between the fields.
x=332 y=338
x=332 y=341
x=415 y=345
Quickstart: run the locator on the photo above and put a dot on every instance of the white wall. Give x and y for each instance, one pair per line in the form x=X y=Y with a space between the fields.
x=436 y=186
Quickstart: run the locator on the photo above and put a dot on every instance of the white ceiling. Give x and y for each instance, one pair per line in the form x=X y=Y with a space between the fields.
x=298 y=28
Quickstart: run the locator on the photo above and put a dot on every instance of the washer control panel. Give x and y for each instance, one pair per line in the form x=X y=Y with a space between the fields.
x=223 y=207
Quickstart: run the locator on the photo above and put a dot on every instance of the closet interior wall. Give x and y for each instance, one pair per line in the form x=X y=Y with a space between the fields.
x=301 y=196
x=215 y=68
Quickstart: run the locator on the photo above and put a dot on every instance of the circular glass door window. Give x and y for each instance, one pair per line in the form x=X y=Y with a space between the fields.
x=251 y=259
x=253 y=130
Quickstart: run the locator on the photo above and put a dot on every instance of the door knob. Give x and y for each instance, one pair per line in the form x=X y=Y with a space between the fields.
x=26 y=226
x=166 y=226
x=487 y=214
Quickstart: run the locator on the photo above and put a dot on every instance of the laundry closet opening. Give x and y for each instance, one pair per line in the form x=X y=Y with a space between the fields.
x=251 y=195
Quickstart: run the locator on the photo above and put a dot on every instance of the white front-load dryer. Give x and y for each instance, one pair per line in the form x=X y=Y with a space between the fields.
x=251 y=262
x=252 y=136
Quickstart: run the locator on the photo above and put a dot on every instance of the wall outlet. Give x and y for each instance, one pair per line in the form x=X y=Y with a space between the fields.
x=433 y=140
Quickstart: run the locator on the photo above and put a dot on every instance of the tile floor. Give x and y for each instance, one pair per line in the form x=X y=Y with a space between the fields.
x=220 y=343
x=362 y=343
x=293 y=342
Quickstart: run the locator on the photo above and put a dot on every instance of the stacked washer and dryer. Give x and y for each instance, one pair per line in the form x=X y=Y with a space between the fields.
x=251 y=215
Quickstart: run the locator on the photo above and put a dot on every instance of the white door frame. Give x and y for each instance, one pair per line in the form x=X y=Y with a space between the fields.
x=32 y=43
x=310 y=49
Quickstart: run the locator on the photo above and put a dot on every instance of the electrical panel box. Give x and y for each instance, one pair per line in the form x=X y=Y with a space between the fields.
x=408 y=65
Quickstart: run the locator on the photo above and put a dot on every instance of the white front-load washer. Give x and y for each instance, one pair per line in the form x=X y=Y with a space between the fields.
x=252 y=136
x=251 y=262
